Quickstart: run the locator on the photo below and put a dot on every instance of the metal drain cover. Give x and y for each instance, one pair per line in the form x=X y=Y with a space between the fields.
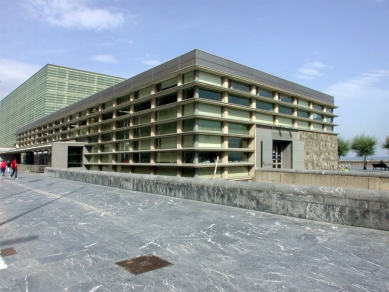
x=143 y=264
x=8 y=251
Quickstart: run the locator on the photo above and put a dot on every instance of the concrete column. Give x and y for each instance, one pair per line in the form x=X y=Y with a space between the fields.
x=179 y=111
x=225 y=97
x=180 y=80
x=179 y=126
x=225 y=82
x=253 y=89
x=179 y=95
x=276 y=95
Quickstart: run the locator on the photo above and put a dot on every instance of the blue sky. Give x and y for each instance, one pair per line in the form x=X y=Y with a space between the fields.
x=340 y=47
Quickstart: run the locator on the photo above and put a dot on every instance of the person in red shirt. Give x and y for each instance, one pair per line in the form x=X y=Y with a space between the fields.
x=14 y=166
x=3 y=165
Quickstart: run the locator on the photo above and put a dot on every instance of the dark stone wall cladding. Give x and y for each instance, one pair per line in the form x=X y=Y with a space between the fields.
x=354 y=207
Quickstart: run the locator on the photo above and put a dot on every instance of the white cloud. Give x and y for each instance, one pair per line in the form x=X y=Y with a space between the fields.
x=366 y=85
x=13 y=74
x=363 y=106
x=151 y=62
x=108 y=59
x=75 y=14
x=311 y=70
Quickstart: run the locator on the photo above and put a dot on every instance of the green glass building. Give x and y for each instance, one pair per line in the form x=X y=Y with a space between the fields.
x=47 y=91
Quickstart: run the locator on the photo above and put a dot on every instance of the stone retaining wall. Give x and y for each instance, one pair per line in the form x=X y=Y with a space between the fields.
x=341 y=179
x=354 y=207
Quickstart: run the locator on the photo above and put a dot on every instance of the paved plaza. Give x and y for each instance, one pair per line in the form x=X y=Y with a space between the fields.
x=59 y=235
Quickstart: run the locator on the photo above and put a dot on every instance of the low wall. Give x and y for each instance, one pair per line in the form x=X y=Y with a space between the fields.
x=360 y=162
x=354 y=207
x=358 y=180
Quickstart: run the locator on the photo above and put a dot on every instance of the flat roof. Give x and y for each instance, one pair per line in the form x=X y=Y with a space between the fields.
x=193 y=58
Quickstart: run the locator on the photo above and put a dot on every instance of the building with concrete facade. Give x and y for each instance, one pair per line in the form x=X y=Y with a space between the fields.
x=198 y=115
x=50 y=89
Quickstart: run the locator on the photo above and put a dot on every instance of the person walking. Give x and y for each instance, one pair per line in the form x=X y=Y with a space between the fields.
x=3 y=165
x=8 y=166
x=14 y=166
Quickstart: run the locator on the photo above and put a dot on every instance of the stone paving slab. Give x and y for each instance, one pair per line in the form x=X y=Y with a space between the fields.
x=69 y=235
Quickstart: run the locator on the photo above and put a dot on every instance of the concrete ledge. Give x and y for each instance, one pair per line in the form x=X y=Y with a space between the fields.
x=369 y=181
x=354 y=207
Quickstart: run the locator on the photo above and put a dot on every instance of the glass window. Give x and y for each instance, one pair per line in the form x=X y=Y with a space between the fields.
x=143 y=92
x=285 y=122
x=210 y=78
x=188 y=77
x=122 y=123
x=187 y=141
x=123 y=146
x=238 y=128
x=188 y=125
x=265 y=93
x=238 y=100
x=235 y=114
x=93 y=139
x=122 y=135
x=209 y=110
x=106 y=137
x=142 y=106
x=317 y=127
x=302 y=102
x=239 y=86
x=106 y=127
x=208 y=94
x=317 y=107
x=208 y=125
x=286 y=98
x=142 y=119
x=142 y=132
x=123 y=158
x=188 y=109
x=234 y=142
x=166 y=114
x=106 y=148
x=166 y=99
x=317 y=117
x=330 y=120
x=237 y=157
x=285 y=110
x=302 y=114
x=107 y=116
x=94 y=109
x=302 y=124
x=141 y=157
x=210 y=141
x=166 y=157
x=167 y=128
x=188 y=157
x=188 y=93
x=93 y=130
x=208 y=157
x=265 y=106
x=142 y=145
x=123 y=99
x=93 y=120
x=238 y=171
x=167 y=84
x=165 y=143
x=107 y=104
x=330 y=110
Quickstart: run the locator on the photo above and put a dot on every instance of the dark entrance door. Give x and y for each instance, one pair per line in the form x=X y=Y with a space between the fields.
x=282 y=154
